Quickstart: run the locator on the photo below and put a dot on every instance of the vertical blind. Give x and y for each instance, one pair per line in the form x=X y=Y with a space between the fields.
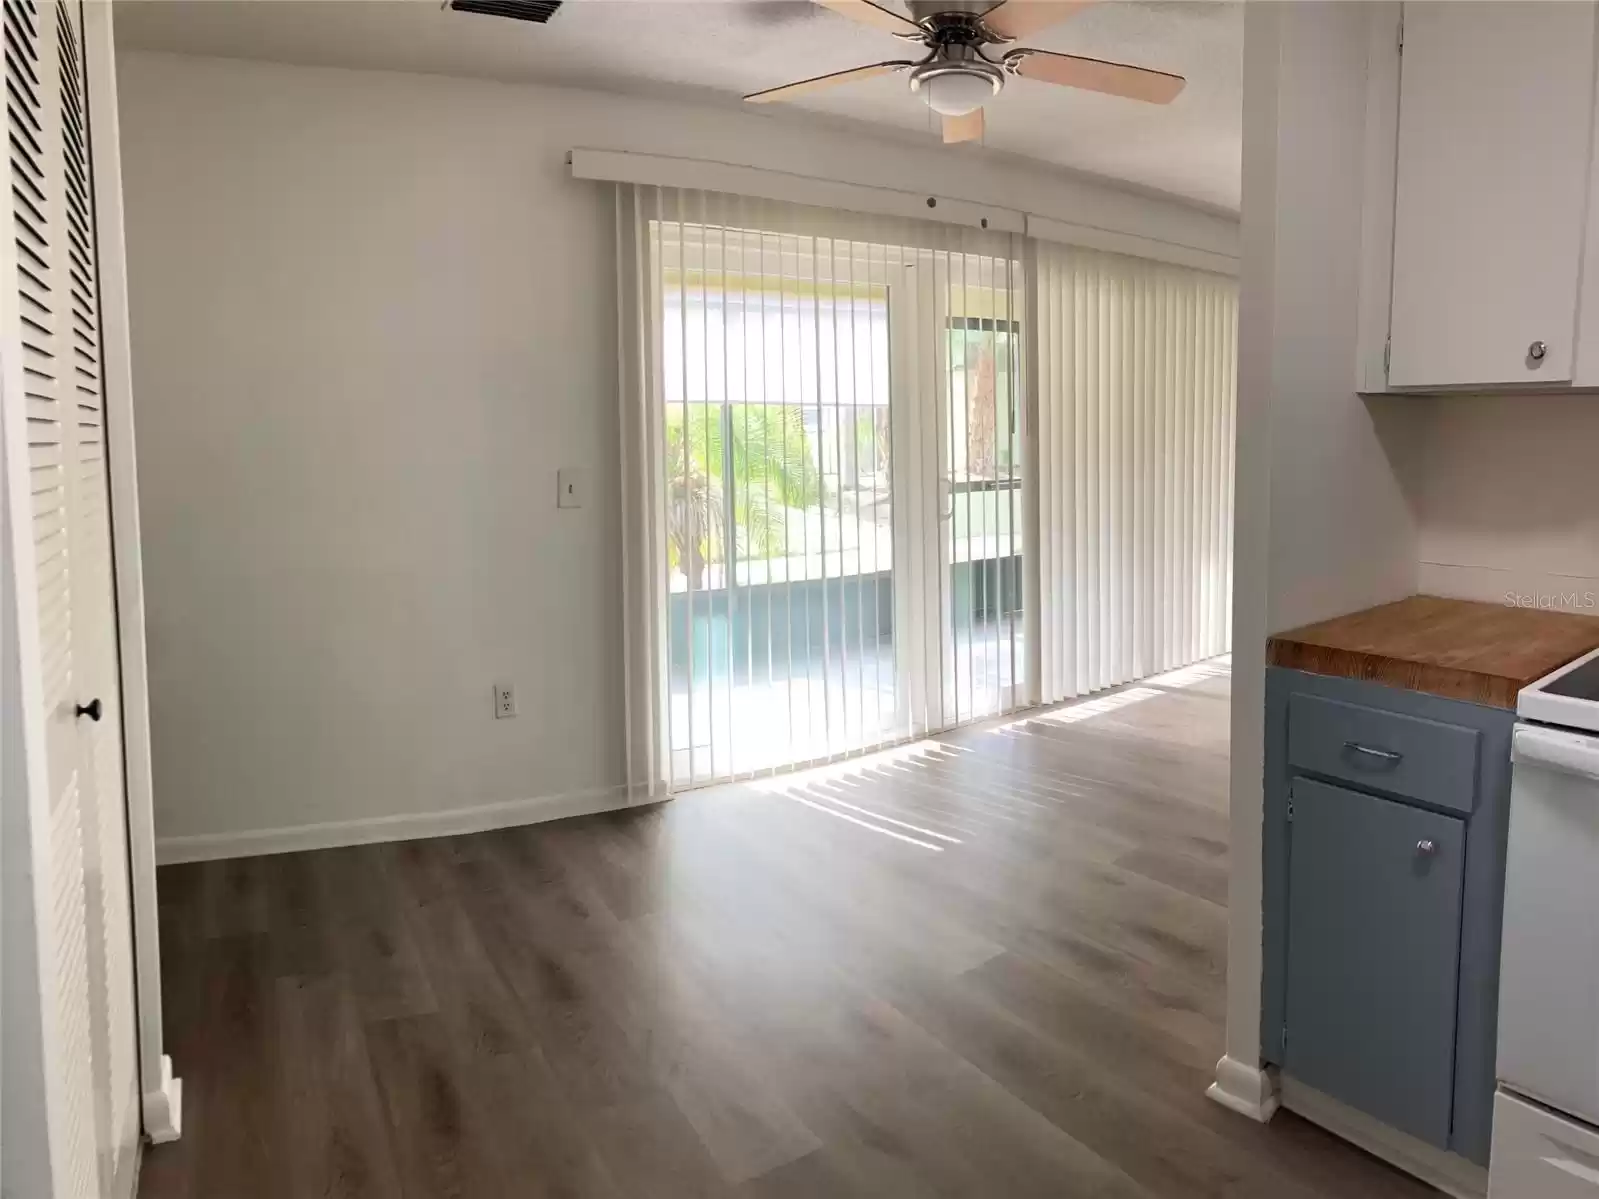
x=821 y=437
x=823 y=444
x=1136 y=398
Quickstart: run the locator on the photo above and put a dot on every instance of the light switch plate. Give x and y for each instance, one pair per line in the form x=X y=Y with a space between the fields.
x=572 y=488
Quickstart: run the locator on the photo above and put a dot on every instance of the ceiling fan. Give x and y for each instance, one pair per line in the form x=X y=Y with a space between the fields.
x=957 y=77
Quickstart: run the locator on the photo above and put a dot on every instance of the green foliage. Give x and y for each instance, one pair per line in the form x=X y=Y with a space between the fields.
x=773 y=472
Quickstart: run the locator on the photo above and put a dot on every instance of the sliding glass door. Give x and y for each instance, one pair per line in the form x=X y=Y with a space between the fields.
x=957 y=386
x=840 y=525
x=778 y=434
x=985 y=512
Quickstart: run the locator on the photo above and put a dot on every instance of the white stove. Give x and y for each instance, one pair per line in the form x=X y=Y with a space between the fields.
x=1568 y=696
x=1546 y=1112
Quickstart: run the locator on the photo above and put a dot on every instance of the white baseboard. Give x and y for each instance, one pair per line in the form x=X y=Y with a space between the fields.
x=1449 y=1172
x=204 y=847
x=1248 y=1090
x=163 y=1108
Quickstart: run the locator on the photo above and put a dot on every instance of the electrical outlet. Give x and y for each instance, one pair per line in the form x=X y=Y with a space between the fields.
x=504 y=701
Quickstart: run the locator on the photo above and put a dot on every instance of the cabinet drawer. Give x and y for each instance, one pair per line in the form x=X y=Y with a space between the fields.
x=1537 y=1153
x=1374 y=955
x=1423 y=760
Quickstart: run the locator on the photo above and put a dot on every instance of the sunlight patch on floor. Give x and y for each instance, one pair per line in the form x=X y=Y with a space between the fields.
x=1199 y=672
x=806 y=787
x=912 y=752
x=1087 y=709
x=818 y=787
x=855 y=820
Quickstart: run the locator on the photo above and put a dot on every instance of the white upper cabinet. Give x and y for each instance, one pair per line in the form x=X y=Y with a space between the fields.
x=1490 y=193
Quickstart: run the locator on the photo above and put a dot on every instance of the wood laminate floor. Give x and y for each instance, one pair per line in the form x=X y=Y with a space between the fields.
x=989 y=967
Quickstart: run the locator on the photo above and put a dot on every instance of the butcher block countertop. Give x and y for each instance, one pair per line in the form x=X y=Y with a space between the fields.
x=1459 y=649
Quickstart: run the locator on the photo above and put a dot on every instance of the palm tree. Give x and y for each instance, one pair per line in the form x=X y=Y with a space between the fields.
x=773 y=472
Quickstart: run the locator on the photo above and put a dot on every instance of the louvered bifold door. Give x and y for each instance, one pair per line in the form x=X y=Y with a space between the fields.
x=111 y=983
x=54 y=403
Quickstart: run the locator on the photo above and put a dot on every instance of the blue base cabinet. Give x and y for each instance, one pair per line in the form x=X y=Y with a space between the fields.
x=1384 y=852
x=1374 y=954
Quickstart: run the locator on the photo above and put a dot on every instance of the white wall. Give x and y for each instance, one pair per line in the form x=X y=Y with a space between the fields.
x=1343 y=534
x=371 y=316
x=1323 y=524
x=1506 y=499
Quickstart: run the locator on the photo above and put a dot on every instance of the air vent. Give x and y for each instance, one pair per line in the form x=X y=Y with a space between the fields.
x=537 y=11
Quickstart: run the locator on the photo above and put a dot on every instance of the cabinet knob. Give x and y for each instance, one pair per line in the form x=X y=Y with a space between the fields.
x=1425 y=849
x=92 y=709
x=1536 y=352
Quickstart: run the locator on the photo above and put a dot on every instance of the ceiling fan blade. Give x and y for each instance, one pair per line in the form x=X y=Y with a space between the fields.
x=874 y=15
x=1096 y=75
x=1013 y=19
x=968 y=128
x=804 y=87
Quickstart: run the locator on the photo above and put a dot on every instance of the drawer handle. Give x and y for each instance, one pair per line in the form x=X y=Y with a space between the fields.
x=1382 y=755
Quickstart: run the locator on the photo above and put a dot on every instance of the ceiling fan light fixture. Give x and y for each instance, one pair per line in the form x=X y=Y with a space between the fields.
x=957 y=84
x=956 y=93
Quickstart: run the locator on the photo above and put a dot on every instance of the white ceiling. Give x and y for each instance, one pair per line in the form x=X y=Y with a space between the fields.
x=723 y=48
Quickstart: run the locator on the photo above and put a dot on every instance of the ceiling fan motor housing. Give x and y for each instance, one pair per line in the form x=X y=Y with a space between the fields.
x=957 y=80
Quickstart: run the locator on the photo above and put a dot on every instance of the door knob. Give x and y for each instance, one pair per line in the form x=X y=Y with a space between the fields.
x=93 y=709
